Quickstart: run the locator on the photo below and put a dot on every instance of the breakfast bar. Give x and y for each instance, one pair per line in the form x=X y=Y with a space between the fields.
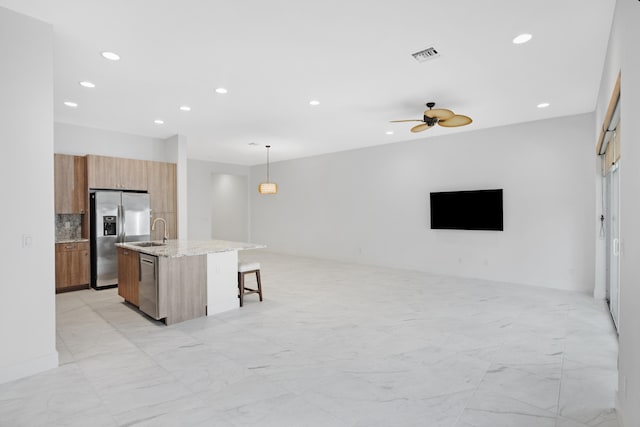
x=178 y=280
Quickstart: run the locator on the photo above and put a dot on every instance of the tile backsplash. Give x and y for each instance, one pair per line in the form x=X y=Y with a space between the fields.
x=68 y=226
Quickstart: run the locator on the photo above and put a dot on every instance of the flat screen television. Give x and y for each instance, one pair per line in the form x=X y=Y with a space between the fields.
x=467 y=210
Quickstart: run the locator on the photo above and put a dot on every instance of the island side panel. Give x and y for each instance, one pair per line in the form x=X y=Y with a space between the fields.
x=182 y=287
x=222 y=282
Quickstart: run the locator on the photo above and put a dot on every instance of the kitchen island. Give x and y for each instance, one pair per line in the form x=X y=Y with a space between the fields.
x=181 y=279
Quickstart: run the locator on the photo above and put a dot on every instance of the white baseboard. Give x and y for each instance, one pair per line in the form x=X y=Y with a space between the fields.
x=28 y=368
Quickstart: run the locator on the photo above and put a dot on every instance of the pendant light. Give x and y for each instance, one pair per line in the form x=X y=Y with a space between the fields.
x=268 y=187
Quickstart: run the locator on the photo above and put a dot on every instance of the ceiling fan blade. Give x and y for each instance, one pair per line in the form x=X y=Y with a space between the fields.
x=398 y=121
x=455 y=121
x=420 y=128
x=439 y=113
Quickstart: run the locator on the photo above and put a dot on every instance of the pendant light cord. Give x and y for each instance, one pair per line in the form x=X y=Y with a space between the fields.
x=268 y=146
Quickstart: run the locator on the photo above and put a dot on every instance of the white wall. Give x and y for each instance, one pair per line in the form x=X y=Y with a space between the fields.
x=80 y=140
x=229 y=207
x=203 y=193
x=27 y=293
x=623 y=55
x=371 y=205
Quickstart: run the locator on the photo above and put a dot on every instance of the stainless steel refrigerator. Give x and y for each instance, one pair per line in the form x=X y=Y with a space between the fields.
x=116 y=217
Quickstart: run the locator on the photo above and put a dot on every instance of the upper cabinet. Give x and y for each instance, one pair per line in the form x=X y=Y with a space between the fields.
x=133 y=174
x=69 y=184
x=159 y=179
x=116 y=173
x=162 y=186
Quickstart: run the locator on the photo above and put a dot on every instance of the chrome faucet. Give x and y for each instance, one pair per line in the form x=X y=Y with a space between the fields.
x=153 y=227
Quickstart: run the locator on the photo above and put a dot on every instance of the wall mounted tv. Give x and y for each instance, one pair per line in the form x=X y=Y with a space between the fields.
x=467 y=210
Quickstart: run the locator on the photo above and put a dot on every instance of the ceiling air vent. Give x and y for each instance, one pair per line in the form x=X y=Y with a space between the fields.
x=426 y=54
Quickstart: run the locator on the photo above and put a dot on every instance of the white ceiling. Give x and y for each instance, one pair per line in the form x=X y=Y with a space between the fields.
x=354 y=56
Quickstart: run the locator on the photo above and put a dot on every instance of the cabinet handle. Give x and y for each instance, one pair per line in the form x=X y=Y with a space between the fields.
x=68 y=246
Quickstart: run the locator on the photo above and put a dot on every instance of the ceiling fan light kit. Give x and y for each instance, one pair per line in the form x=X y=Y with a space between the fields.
x=441 y=116
x=268 y=187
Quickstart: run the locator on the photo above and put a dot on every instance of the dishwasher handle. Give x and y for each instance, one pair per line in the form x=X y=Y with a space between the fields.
x=149 y=263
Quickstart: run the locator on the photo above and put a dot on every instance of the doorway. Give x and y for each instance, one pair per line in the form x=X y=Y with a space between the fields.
x=608 y=148
x=613 y=240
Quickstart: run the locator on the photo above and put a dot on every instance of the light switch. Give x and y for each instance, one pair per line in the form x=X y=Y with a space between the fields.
x=26 y=240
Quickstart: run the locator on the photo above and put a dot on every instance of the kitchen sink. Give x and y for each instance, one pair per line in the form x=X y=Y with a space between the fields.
x=147 y=244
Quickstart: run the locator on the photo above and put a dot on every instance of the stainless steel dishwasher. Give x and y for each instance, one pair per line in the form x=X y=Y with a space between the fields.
x=148 y=286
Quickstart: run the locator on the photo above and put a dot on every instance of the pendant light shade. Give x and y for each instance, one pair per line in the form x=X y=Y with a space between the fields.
x=268 y=187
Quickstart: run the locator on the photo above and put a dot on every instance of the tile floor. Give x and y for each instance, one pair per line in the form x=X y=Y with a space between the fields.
x=333 y=344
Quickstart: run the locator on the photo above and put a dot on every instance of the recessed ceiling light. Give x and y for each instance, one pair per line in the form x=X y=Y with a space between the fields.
x=111 y=56
x=314 y=102
x=221 y=90
x=185 y=108
x=87 y=84
x=522 y=38
x=71 y=104
x=158 y=121
x=543 y=105
x=389 y=132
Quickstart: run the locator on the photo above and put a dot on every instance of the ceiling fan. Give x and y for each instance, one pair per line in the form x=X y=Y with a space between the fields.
x=441 y=116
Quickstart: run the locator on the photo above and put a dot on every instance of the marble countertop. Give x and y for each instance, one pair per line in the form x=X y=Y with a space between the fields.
x=72 y=240
x=178 y=248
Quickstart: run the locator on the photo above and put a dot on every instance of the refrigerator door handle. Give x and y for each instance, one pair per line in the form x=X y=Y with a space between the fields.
x=120 y=224
x=118 y=227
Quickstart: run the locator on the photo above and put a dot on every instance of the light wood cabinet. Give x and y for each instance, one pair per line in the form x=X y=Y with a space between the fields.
x=70 y=188
x=133 y=174
x=162 y=182
x=163 y=195
x=128 y=275
x=72 y=266
x=182 y=287
x=102 y=172
x=159 y=179
x=116 y=173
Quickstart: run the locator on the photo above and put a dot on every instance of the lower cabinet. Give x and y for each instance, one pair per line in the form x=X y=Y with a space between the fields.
x=72 y=266
x=182 y=287
x=128 y=275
